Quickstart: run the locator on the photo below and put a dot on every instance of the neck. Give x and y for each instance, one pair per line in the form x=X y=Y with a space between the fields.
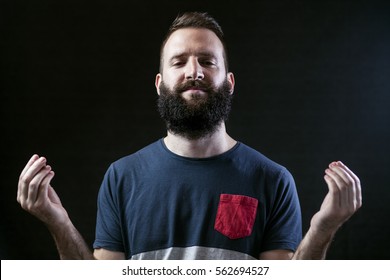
x=211 y=145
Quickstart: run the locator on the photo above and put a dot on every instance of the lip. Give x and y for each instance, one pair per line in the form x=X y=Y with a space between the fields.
x=194 y=90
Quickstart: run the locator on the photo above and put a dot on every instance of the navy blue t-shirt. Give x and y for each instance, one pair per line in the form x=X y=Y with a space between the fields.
x=155 y=204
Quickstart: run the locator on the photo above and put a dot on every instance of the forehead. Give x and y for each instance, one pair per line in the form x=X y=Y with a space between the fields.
x=193 y=41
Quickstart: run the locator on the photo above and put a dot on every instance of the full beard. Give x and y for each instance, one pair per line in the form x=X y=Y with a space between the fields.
x=196 y=118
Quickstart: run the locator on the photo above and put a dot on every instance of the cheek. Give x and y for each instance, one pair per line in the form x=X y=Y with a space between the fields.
x=171 y=78
x=220 y=79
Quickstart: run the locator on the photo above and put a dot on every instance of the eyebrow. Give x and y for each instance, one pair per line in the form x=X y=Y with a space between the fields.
x=199 y=54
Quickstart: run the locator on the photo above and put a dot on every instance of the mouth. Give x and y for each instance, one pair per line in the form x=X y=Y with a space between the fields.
x=194 y=93
x=195 y=89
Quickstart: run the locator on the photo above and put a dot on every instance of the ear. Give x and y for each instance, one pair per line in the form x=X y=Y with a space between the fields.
x=158 y=82
x=231 y=81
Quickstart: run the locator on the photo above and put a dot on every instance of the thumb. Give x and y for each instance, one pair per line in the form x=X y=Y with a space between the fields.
x=44 y=192
x=53 y=195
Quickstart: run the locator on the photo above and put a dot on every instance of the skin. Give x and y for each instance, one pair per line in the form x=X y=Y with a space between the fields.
x=190 y=54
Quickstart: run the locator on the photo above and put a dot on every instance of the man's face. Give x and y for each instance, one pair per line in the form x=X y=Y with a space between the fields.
x=195 y=80
x=193 y=53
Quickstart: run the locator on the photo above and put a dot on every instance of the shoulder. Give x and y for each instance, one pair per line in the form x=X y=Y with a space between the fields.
x=149 y=152
x=249 y=157
x=127 y=167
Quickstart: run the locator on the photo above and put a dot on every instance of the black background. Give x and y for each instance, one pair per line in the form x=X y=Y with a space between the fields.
x=312 y=86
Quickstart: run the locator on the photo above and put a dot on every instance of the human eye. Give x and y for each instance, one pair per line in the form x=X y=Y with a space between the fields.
x=177 y=63
x=208 y=62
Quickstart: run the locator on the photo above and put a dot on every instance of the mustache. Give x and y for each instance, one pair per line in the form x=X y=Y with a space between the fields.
x=199 y=84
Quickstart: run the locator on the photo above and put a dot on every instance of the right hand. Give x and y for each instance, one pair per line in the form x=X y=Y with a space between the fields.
x=36 y=195
x=342 y=201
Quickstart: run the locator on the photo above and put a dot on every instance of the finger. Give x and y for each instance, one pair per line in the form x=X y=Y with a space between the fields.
x=34 y=168
x=332 y=185
x=344 y=175
x=334 y=193
x=349 y=171
x=357 y=194
x=36 y=183
x=29 y=163
x=349 y=186
x=43 y=193
x=25 y=180
x=342 y=190
x=350 y=191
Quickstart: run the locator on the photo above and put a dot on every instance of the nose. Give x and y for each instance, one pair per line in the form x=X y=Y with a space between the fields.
x=193 y=70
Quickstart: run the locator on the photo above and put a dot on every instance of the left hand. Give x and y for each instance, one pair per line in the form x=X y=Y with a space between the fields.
x=342 y=201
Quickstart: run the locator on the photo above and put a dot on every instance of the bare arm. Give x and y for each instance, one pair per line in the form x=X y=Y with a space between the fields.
x=276 y=255
x=70 y=244
x=104 y=254
x=37 y=197
x=342 y=201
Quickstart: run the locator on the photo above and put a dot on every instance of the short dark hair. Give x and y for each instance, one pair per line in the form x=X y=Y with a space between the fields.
x=195 y=20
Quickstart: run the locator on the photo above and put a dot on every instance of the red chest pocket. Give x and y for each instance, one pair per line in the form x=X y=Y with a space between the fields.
x=236 y=215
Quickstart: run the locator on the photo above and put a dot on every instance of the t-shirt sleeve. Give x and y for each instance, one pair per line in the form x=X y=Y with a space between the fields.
x=108 y=226
x=284 y=227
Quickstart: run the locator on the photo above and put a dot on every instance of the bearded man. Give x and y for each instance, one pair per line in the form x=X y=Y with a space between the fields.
x=196 y=193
